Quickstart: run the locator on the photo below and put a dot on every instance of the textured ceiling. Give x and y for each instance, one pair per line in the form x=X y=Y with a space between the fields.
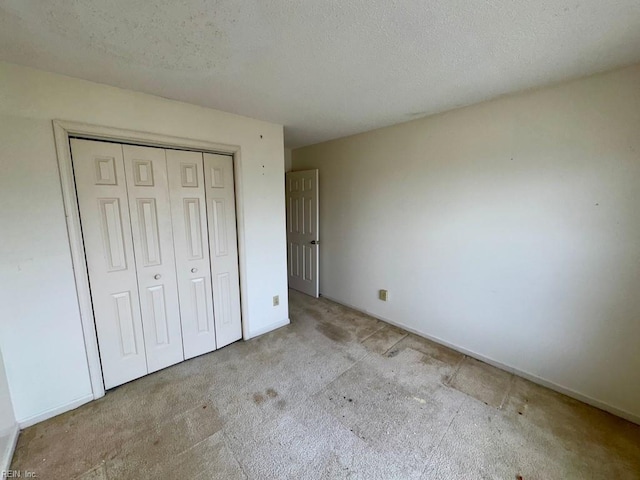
x=324 y=69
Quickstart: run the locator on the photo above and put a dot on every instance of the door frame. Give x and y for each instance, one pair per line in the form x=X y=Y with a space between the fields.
x=63 y=130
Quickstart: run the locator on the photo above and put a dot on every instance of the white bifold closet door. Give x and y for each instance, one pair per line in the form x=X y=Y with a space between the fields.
x=150 y=210
x=159 y=231
x=191 y=238
x=106 y=229
x=221 y=208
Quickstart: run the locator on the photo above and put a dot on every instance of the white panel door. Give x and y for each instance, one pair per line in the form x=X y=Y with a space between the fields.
x=148 y=191
x=223 y=245
x=106 y=230
x=191 y=240
x=302 y=231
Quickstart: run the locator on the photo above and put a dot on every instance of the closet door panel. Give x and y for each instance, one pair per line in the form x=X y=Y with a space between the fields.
x=223 y=247
x=106 y=230
x=149 y=205
x=191 y=240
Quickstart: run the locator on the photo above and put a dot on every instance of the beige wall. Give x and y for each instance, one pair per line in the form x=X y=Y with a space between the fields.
x=40 y=329
x=509 y=229
x=288 y=159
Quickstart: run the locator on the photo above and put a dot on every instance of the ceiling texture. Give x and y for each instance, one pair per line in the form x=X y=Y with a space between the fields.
x=324 y=69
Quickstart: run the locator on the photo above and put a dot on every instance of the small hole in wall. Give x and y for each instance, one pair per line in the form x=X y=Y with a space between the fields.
x=260 y=136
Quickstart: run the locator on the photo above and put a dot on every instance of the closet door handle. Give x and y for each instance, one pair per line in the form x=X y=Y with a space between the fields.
x=157 y=276
x=194 y=270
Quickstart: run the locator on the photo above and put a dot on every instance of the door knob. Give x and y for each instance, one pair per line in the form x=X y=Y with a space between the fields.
x=315 y=242
x=157 y=276
x=194 y=270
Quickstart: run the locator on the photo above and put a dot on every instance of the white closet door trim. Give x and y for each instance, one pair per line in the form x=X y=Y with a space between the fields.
x=63 y=130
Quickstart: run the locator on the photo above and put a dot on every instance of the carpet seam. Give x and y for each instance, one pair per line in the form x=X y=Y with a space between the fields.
x=455 y=372
x=401 y=338
x=435 y=449
x=372 y=334
x=512 y=380
x=233 y=454
x=339 y=375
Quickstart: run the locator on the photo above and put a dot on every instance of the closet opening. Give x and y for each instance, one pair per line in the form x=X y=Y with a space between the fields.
x=156 y=238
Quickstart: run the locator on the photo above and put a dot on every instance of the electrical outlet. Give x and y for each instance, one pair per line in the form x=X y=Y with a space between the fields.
x=276 y=300
x=383 y=295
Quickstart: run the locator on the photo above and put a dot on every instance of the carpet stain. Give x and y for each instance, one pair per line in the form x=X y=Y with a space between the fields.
x=318 y=316
x=384 y=339
x=427 y=360
x=333 y=332
x=389 y=333
x=271 y=393
x=258 y=398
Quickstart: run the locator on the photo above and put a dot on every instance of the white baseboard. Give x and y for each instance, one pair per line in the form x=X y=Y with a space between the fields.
x=29 y=421
x=529 y=376
x=7 y=455
x=269 y=328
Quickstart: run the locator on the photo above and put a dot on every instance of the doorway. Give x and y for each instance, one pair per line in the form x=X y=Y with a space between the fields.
x=303 y=241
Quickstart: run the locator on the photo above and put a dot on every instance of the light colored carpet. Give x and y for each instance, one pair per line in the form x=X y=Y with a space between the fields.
x=336 y=394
